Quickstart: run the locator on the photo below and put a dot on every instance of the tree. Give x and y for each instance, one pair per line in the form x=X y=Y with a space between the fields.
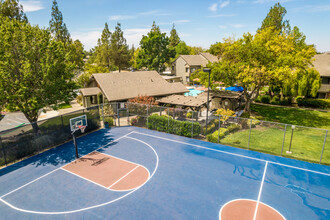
x=195 y=50
x=254 y=60
x=174 y=38
x=275 y=18
x=102 y=52
x=57 y=26
x=155 y=50
x=119 y=52
x=77 y=54
x=182 y=49
x=13 y=10
x=34 y=70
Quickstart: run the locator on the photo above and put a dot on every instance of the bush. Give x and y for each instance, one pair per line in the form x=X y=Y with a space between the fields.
x=213 y=125
x=108 y=120
x=314 y=103
x=265 y=99
x=214 y=136
x=275 y=100
x=233 y=127
x=168 y=124
x=189 y=114
x=79 y=99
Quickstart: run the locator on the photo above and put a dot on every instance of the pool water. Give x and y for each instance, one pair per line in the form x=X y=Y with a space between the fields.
x=193 y=92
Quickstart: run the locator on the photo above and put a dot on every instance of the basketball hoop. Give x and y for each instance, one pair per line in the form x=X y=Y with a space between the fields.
x=82 y=128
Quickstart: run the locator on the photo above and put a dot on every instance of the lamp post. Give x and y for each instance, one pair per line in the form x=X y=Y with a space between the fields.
x=207 y=70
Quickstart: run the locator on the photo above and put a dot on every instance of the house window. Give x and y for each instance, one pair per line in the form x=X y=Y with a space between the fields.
x=325 y=80
x=187 y=69
x=93 y=99
x=187 y=79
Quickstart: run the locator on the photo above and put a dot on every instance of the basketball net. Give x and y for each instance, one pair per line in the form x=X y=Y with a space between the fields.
x=82 y=128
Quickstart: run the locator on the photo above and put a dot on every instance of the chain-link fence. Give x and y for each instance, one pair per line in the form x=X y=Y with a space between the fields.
x=18 y=143
x=304 y=143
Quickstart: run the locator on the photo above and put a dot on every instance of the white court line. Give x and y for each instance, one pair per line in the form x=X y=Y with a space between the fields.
x=260 y=191
x=123 y=177
x=57 y=169
x=239 y=155
x=95 y=206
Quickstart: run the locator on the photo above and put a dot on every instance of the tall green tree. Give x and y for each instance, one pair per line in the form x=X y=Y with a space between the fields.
x=119 y=51
x=174 y=38
x=13 y=10
x=102 y=53
x=275 y=18
x=57 y=26
x=34 y=70
x=155 y=50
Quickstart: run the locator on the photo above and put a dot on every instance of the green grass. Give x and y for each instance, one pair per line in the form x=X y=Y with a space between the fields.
x=308 y=118
x=306 y=143
x=64 y=106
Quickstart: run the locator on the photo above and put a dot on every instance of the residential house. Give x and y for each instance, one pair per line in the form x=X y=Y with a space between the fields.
x=322 y=64
x=184 y=65
x=119 y=87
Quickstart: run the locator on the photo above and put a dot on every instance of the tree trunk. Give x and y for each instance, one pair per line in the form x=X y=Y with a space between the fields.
x=34 y=124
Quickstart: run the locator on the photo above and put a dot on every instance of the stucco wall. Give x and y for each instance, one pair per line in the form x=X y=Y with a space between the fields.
x=180 y=69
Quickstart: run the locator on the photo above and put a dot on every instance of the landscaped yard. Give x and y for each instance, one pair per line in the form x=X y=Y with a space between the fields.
x=306 y=143
x=308 y=118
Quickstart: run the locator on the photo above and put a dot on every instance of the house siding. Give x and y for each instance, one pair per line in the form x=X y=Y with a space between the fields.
x=180 y=66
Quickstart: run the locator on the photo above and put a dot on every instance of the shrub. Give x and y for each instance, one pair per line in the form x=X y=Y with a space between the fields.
x=79 y=99
x=275 y=100
x=108 y=120
x=212 y=125
x=314 y=103
x=214 y=136
x=265 y=99
x=189 y=114
x=233 y=127
x=168 y=124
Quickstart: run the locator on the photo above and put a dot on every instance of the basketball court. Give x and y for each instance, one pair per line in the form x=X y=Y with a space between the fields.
x=135 y=173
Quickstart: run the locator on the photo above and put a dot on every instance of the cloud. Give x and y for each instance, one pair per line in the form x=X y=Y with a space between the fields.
x=222 y=26
x=214 y=7
x=181 y=21
x=237 y=25
x=88 y=39
x=224 y=4
x=221 y=15
x=313 y=8
x=121 y=17
x=30 y=6
x=147 y=13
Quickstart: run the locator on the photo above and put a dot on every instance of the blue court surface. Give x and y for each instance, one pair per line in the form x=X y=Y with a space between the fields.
x=189 y=179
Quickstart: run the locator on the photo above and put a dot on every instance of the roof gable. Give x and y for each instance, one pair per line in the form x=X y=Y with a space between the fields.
x=122 y=86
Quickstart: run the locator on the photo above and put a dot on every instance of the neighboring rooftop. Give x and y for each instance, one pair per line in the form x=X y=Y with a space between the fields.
x=181 y=100
x=90 y=91
x=199 y=60
x=322 y=63
x=126 y=85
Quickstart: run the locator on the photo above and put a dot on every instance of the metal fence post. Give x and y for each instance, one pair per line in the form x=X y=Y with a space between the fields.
x=147 y=116
x=325 y=139
x=118 y=116
x=102 y=114
x=62 y=121
x=219 y=129
x=192 y=124
x=128 y=121
x=250 y=134
x=168 y=120
x=3 y=151
x=283 y=140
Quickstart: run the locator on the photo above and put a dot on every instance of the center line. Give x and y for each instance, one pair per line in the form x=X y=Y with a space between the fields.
x=260 y=191
x=124 y=176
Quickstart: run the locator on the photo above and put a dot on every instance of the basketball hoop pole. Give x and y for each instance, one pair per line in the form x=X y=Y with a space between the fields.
x=75 y=144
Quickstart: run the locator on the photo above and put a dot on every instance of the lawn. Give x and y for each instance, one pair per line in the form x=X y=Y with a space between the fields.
x=306 y=143
x=308 y=118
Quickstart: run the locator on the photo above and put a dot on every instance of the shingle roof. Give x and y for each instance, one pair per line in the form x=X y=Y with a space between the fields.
x=90 y=91
x=322 y=63
x=126 y=85
x=199 y=60
x=190 y=101
x=225 y=94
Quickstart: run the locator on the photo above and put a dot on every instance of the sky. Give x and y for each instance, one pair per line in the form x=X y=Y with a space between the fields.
x=198 y=22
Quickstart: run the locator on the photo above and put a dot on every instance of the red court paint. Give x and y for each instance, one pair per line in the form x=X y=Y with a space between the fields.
x=109 y=171
x=243 y=209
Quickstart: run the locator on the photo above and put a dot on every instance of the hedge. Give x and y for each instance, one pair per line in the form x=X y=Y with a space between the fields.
x=314 y=103
x=214 y=136
x=168 y=124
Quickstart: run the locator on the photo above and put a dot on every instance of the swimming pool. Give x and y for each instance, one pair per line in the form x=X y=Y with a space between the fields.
x=193 y=92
